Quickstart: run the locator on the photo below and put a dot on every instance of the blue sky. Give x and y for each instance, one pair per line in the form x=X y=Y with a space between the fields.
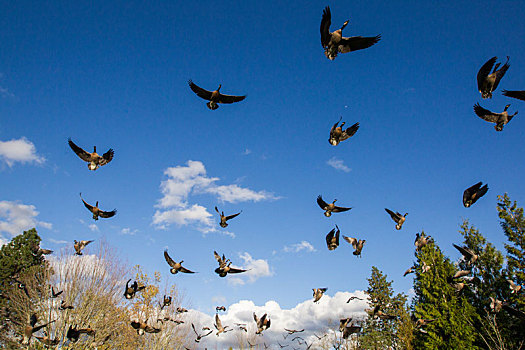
x=115 y=75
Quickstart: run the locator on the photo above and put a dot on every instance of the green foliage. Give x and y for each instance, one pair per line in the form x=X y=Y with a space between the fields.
x=435 y=299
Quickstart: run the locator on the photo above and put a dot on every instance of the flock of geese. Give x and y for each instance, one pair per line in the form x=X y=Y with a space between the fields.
x=488 y=79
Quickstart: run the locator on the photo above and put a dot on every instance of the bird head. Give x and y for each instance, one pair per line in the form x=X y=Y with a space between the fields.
x=498 y=127
x=506 y=107
x=345 y=24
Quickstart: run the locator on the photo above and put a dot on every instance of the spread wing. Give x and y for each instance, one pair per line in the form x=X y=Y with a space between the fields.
x=351 y=240
x=321 y=202
x=232 y=216
x=150 y=329
x=107 y=157
x=466 y=253
x=218 y=258
x=217 y=210
x=193 y=326
x=233 y=270
x=326 y=20
x=349 y=132
x=185 y=270
x=484 y=71
x=501 y=72
x=205 y=94
x=485 y=114
x=340 y=209
x=230 y=98
x=168 y=258
x=520 y=95
x=394 y=216
x=89 y=207
x=329 y=237
x=85 y=156
x=357 y=43
x=467 y=194
x=107 y=214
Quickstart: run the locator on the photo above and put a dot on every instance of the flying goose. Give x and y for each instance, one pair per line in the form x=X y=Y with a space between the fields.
x=514 y=287
x=330 y=208
x=397 y=217
x=318 y=293
x=48 y=341
x=219 y=327
x=79 y=246
x=352 y=298
x=343 y=322
x=97 y=212
x=337 y=134
x=495 y=305
x=225 y=266
x=468 y=254
x=220 y=308
x=175 y=266
x=487 y=81
x=263 y=323
x=334 y=42
x=31 y=328
x=214 y=96
x=55 y=294
x=93 y=159
x=181 y=310
x=500 y=119
x=332 y=238
x=520 y=95
x=142 y=327
x=351 y=329
x=223 y=222
x=200 y=336
x=461 y=273
x=422 y=240
x=40 y=251
x=425 y=267
x=292 y=331
x=65 y=306
x=356 y=243
x=409 y=270
x=166 y=301
x=131 y=290
x=73 y=333
x=377 y=313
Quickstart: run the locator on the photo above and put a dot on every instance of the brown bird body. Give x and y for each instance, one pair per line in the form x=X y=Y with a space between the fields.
x=31 y=328
x=357 y=244
x=224 y=218
x=225 y=266
x=334 y=42
x=487 y=81
x=200 y=336
x=332 y=238
x=79 y=246
x=515 y=288
x=175 y=266
x=263 y=323
x=495 y=305
x=318 y=293
x=330 y=208
x=397 y=217
x=219 y=327
x=468 y=254
x=214 y=97
x=142 y=327
x=422 y=240
x=500 y=119
x=97 y=212
x=131 y=290
x=93 y=159
x=337 y=134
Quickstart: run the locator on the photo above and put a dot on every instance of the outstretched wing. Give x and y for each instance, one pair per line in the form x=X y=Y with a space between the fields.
x=85 y=156
x=355 y=43
x=500 y=73
x=232 y=216
x=168 y=258
x=394 y=216
x=485 y=114
x=321 y=202
x=326 y=21
x=520 y=95
x=107 y=157
x=89 y=207
x=484 y=71
x=351 y=240
x=107 y=214
x=349 y=132
x=193 y=326
x=466 y=253
x=329 y=237
x=205 y=94
x=185 y=270
x=230 y=98
x=340 y=209
x=233 y=270
x=218 y=258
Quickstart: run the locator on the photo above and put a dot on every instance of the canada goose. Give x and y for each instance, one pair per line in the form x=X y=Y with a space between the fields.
x=23 y=287
x=73 y=333
x=292 y=331
x=424 y=267
x=468 y=254
x=167 y=318
x=501 y=119
x=487 y=81
x=97 y=212
x=175 y=266
x=352 y=298
x=337 y=134
x=93 y=159
x=131 y=290
x=377 y=313
x=200 y=336
x=397 y=217
x=166 y=301
x=79 y=246
x=334 y=42
x=329 y=208
x=142 y=327
x=514 y=287
x=458 y=286
x=263 y=323
x=332 y=240
x=181 y=310
x=65 y=306
x=214 y=96
x=409 y=270
x=39 y=251
x=495 y=305
x=242 y=326
x=223 y=222
x=31 y=328
x=461 y=273
x=422 y=240
x=352 y=329
x=318 y=293
x=220 y=308
x=420 y=322
x=55 y=294
x=48 y=341
x=357 y=244
x=219 y=327
x=225 y=266
x=520 y=95
x=343 y=322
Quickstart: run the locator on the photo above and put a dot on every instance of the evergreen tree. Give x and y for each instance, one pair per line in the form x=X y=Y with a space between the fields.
x=435 y=299
x=382 y=332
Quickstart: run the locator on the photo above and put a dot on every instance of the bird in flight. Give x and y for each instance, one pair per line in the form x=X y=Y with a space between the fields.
x=93 y=159
x=175 y=266
x=487 y=81
x=337 y=134
x=500 y=119
x=214 y=97
x=473 y=193
x=330 y=208
x=224 y=218
x=97 y=212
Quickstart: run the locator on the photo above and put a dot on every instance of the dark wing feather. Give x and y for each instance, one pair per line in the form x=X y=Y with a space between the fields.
x=107 y=214
x=500 y=73
x=520 y=95
x=107 y=157
x=89 y=207
x=185 y=270
x=485 y=114
x=232 y=270
x=466 y=253
x=85 y=156
x=349 y=132
x=357 y=43
x=393 y=215
x=218 y=258
x=205 y=94
x=329 y=237
x=340 y=209
x=321 y=202
x=326 y=21
x=168 y=258
x=484 y=71
x=230 y=98
x=232 y=216
x=193 y=326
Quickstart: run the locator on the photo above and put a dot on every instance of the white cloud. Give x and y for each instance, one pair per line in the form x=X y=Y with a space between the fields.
x=16 y=217
x=21 y=150
x=93 y=227
x=338 y=164
x=191 y=179
x=297 y=247
x=257 y=268
x=321 y=318
x=4 y=92
x=57 y=241
x=247 y=151
x=128 y=231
